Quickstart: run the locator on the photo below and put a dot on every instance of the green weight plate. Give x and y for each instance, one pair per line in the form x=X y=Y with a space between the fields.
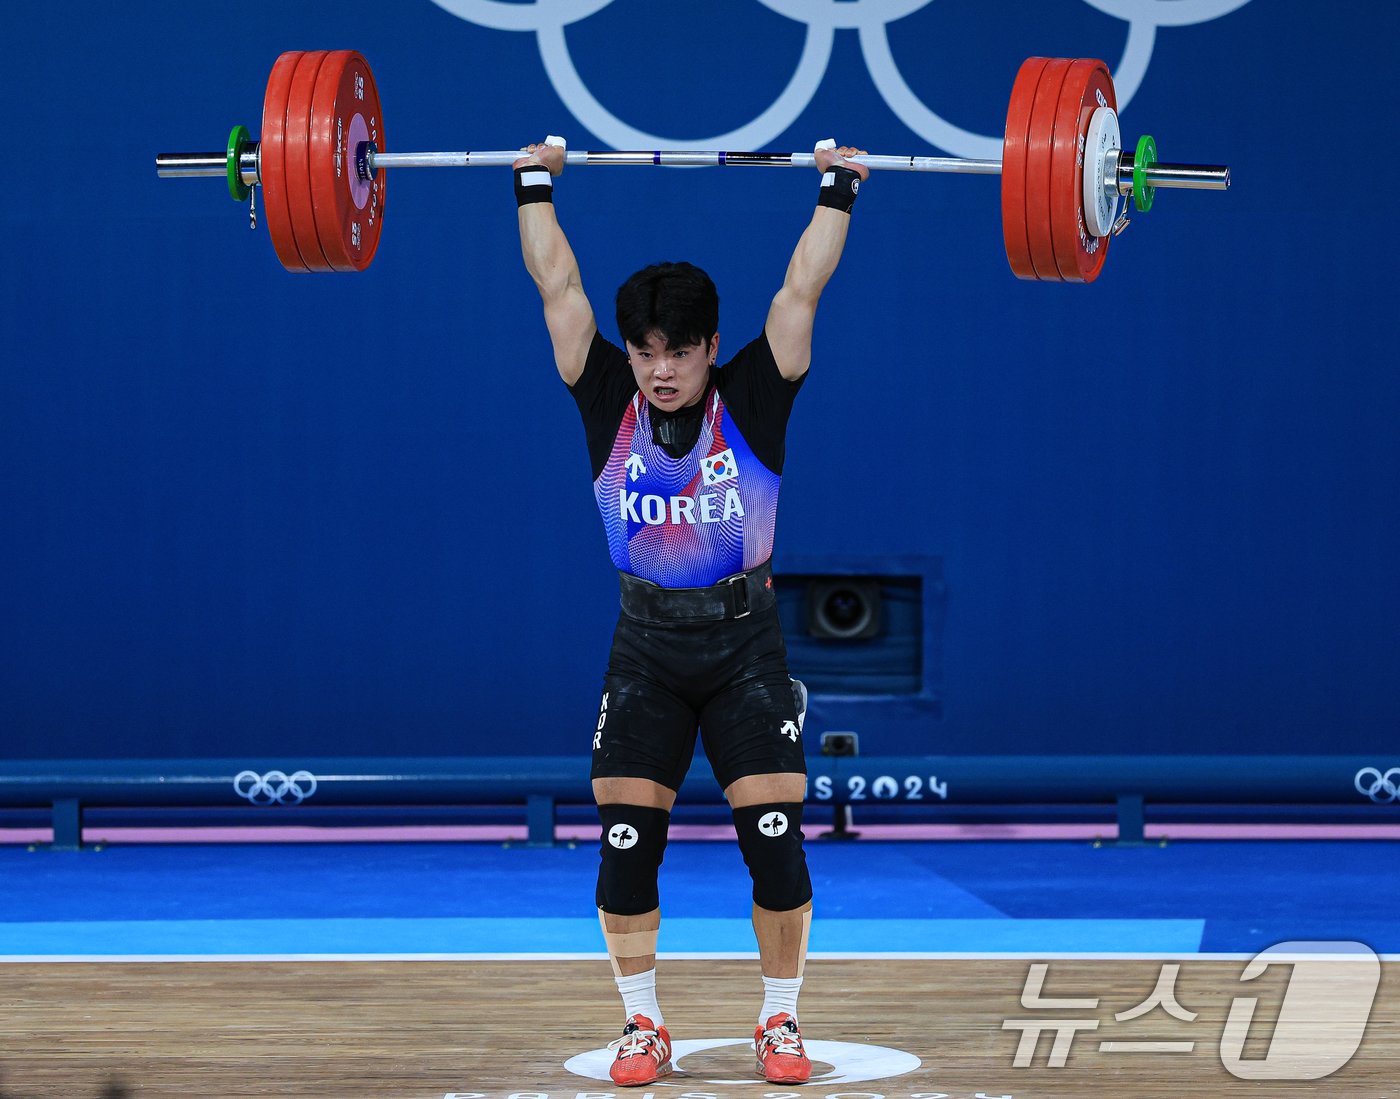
x=1143 y=159
x=237 y=138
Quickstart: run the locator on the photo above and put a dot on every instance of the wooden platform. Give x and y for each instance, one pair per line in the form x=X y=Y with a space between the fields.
x=430 y=1029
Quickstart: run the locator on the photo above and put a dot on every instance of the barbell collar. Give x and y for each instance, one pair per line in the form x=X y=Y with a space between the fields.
x=179 y=165
x=1191 y=177
x=176 y=165
x=1196 y=177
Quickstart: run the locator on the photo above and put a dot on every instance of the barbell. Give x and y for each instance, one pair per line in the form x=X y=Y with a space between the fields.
x=1066 y=180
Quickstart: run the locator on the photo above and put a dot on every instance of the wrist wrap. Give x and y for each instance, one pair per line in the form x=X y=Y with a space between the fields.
x=839 y=188
x=533 y=183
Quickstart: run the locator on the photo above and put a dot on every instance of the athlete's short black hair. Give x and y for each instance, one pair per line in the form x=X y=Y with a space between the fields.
x=676 y=300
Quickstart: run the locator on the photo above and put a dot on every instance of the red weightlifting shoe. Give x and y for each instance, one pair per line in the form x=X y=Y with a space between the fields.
x=781 y=1058
x=643 y=1053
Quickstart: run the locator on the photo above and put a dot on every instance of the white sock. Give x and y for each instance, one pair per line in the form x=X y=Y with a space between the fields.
x=779 y=994
x=639 y=995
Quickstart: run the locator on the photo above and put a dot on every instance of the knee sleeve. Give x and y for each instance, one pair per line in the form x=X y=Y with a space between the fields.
x=770 y=836
x=633 y=843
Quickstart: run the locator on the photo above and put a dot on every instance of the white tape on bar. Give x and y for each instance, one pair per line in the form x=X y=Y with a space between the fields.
x=828 y=177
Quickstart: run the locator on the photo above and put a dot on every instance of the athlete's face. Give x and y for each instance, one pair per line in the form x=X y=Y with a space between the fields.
x=672 y=377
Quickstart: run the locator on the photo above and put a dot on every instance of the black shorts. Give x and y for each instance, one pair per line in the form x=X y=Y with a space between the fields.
x=728 y=678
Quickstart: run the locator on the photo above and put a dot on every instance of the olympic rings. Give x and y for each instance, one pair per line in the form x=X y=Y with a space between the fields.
x=275 y=787
x=870 y=18
x=1378 y=784
x=784 y=111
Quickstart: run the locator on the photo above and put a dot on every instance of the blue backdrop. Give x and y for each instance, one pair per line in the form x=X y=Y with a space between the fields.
x=247 y=511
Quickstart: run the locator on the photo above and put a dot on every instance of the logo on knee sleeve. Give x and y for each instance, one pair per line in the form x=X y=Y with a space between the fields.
x=623 y=836
x=773 y=825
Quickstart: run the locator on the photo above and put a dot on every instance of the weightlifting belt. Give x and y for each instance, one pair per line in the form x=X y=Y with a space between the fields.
x=735 y=596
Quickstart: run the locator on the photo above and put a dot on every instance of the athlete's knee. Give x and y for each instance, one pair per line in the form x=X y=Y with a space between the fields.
x=633 y=844
x=770 y=837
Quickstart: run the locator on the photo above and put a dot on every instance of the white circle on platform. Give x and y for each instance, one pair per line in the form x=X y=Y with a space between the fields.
x=851 y=1062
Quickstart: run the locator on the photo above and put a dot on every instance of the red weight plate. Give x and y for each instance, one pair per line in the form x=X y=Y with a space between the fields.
x=1039 y=146
x=345 y=113
x=271 y=164
x=1013 y=167
x=1078 y=255
x=298 y=155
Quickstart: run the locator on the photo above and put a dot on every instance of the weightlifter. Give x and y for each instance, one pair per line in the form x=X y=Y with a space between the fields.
x=687 y=459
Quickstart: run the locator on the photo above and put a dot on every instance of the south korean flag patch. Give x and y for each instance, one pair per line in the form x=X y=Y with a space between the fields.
x=719 y=467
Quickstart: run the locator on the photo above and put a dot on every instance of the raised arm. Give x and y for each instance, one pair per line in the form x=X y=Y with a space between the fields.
x=794 y=308
x=550 y=261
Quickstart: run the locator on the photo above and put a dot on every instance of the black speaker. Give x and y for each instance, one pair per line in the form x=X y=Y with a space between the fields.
x=844 y=608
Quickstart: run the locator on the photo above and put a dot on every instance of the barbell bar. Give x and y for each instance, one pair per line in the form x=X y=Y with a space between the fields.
x=321 y=158
x=1201 y=177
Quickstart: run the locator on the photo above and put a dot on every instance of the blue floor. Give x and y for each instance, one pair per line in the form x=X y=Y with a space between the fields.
x=1022 y=897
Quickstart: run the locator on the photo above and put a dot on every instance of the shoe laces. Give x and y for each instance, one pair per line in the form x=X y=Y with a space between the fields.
x=635 y=1040
x=784 y=1039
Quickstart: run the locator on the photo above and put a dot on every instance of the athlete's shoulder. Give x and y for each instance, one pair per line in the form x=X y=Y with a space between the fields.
x=604 y=360
x=754 y=356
